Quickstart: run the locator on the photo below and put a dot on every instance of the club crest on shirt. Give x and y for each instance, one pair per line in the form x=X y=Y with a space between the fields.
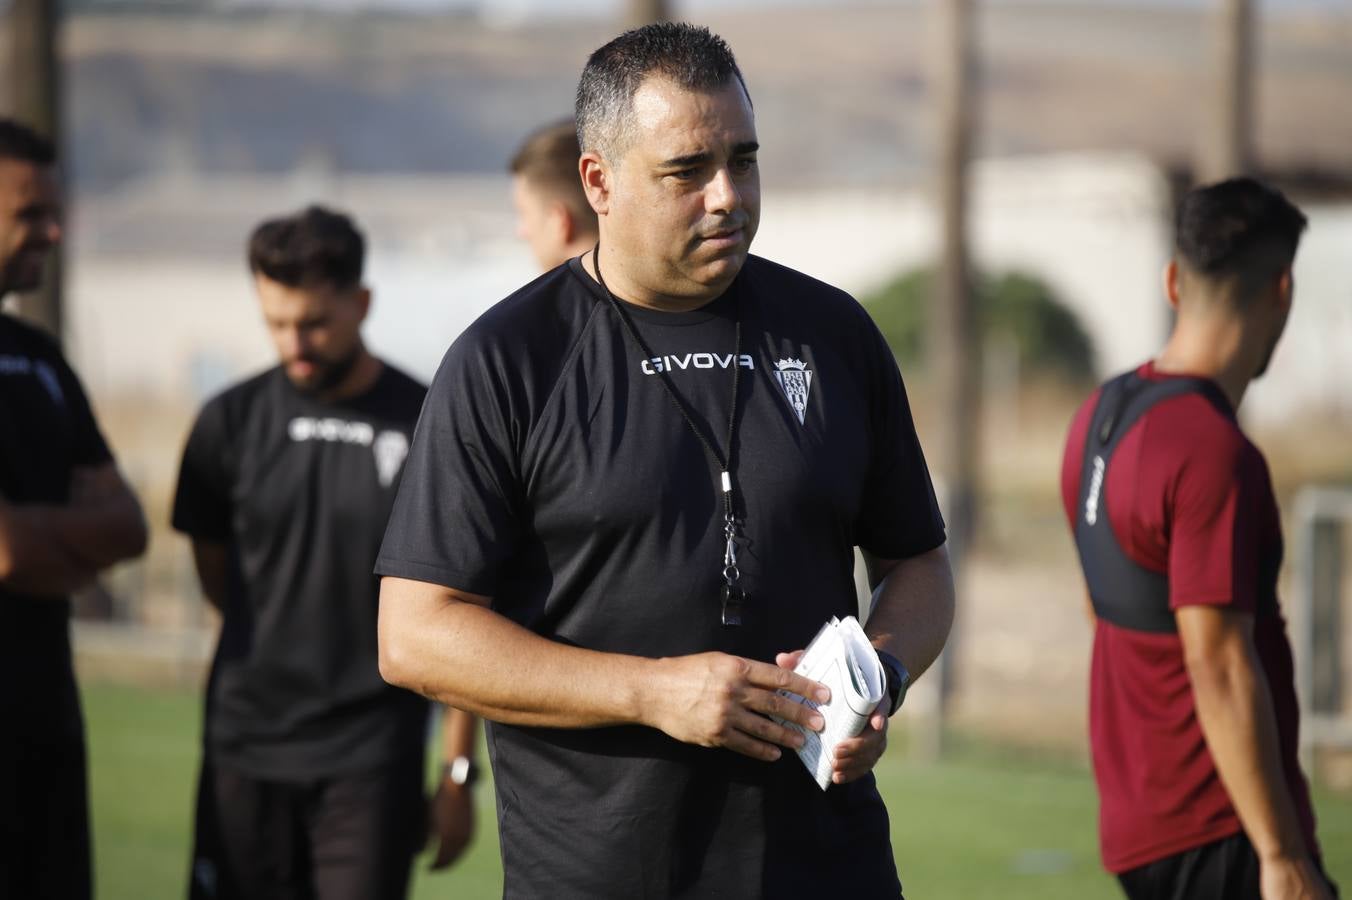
x=390 y=449
x=795 y=380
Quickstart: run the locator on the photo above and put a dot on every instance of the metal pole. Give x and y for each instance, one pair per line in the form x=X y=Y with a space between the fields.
x=645 y=12
x=956 y=356
x=1226 y=151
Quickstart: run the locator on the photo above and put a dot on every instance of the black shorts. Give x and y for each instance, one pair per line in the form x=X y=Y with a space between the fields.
x=350 y=837
x=44 y=819
x=1222 y=870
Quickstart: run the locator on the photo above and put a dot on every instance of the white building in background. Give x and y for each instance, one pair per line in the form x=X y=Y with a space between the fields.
x=160 y=305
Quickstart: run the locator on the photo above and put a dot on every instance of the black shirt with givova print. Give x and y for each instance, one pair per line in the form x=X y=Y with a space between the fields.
x=551 y=472
x=300 y=490
x=47 y=431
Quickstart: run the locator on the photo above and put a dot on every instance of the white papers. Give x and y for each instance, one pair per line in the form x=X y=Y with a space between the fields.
x=840 y=657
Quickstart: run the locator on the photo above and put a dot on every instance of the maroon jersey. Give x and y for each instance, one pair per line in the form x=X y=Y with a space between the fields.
x=1187 y=496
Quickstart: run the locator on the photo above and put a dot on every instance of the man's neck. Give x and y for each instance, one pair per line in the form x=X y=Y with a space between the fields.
x=581 y=247
x=618 y=282
x=1214 y=349
x=359 y=379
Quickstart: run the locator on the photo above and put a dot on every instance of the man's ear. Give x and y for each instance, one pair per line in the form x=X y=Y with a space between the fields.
x=562 y=221
x=363 y=299
x=1171 y=283
x=1286 y=289
x=595 y=181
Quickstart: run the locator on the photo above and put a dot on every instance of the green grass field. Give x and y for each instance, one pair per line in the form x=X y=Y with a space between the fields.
x=983 y=824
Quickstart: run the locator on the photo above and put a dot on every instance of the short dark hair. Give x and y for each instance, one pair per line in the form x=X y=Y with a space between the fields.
x=1238 y=230
x=690 y=55
x=18 y=141
x=313 y=246
x=548 y=159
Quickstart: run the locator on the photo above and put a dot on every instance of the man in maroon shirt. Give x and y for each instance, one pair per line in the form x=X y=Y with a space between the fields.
x=1193 y=716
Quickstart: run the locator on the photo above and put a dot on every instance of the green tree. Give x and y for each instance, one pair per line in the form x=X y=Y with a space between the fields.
x=1050 y=340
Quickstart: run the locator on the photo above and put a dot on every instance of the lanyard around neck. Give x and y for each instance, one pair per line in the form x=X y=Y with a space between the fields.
x=730 y=571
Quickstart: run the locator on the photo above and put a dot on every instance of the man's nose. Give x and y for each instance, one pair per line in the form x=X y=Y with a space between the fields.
x=721 y=194
x=290 y=344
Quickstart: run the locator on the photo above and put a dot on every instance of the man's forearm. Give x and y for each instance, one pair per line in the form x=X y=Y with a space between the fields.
x=448 y=645
x=458 y=730
x=468 y=657
x=1234 y=708
x=212 y=560
x=101 y=532
x=33 y=558
x=41 y=537
x=913 y=609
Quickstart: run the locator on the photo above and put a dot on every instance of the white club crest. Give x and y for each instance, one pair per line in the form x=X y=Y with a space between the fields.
x=795 y=379
x=390 y=449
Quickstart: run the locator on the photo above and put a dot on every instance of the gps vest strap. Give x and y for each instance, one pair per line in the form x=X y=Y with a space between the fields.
x=1122 y=591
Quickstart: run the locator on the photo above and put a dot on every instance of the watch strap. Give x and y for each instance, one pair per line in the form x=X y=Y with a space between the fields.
x=898 y=680
x=461 y=771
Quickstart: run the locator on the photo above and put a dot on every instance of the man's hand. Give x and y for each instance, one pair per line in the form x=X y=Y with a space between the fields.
x=718 y=700
x=451 y=824
x=1287 y=878
x=856 y=756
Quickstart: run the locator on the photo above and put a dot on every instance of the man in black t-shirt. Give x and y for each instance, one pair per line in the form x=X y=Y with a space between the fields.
x=312 y=776
x=65 y=514
x=634 y=494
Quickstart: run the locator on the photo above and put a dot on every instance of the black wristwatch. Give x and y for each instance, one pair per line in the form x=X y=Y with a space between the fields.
x=461 y=771
x=898 y=680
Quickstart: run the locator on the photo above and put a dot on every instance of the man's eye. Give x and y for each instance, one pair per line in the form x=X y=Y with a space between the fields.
x=745 y=164
x=683 y=174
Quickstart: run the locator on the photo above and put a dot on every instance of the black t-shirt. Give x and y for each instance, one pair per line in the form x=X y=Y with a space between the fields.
x=299 y=490
x=47 y=430
x=551 y=472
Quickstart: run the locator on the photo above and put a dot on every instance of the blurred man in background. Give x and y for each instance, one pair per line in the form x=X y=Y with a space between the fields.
x=1193 y=716
x=622 y=509
x=312 y=775
x=552 y=212
x=65 y=514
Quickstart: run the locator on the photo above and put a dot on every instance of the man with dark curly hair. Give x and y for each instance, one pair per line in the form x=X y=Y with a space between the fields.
x=312 y=776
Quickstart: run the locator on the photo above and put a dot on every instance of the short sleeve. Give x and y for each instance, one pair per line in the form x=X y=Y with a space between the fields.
x=900 y=516
x=88 y=448
x=202 y=505
x=456 y=515
x=1216 y=530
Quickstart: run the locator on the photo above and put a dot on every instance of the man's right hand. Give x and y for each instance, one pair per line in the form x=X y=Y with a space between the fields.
x=1288 y=878
x=718 y=700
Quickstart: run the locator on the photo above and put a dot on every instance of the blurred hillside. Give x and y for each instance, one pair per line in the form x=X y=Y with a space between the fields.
x=225 y=93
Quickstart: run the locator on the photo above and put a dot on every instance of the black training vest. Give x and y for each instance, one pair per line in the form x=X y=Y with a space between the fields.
x=1122 y=591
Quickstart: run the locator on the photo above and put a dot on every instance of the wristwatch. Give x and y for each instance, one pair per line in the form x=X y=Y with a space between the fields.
x=461 y=771
x=898 y=680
